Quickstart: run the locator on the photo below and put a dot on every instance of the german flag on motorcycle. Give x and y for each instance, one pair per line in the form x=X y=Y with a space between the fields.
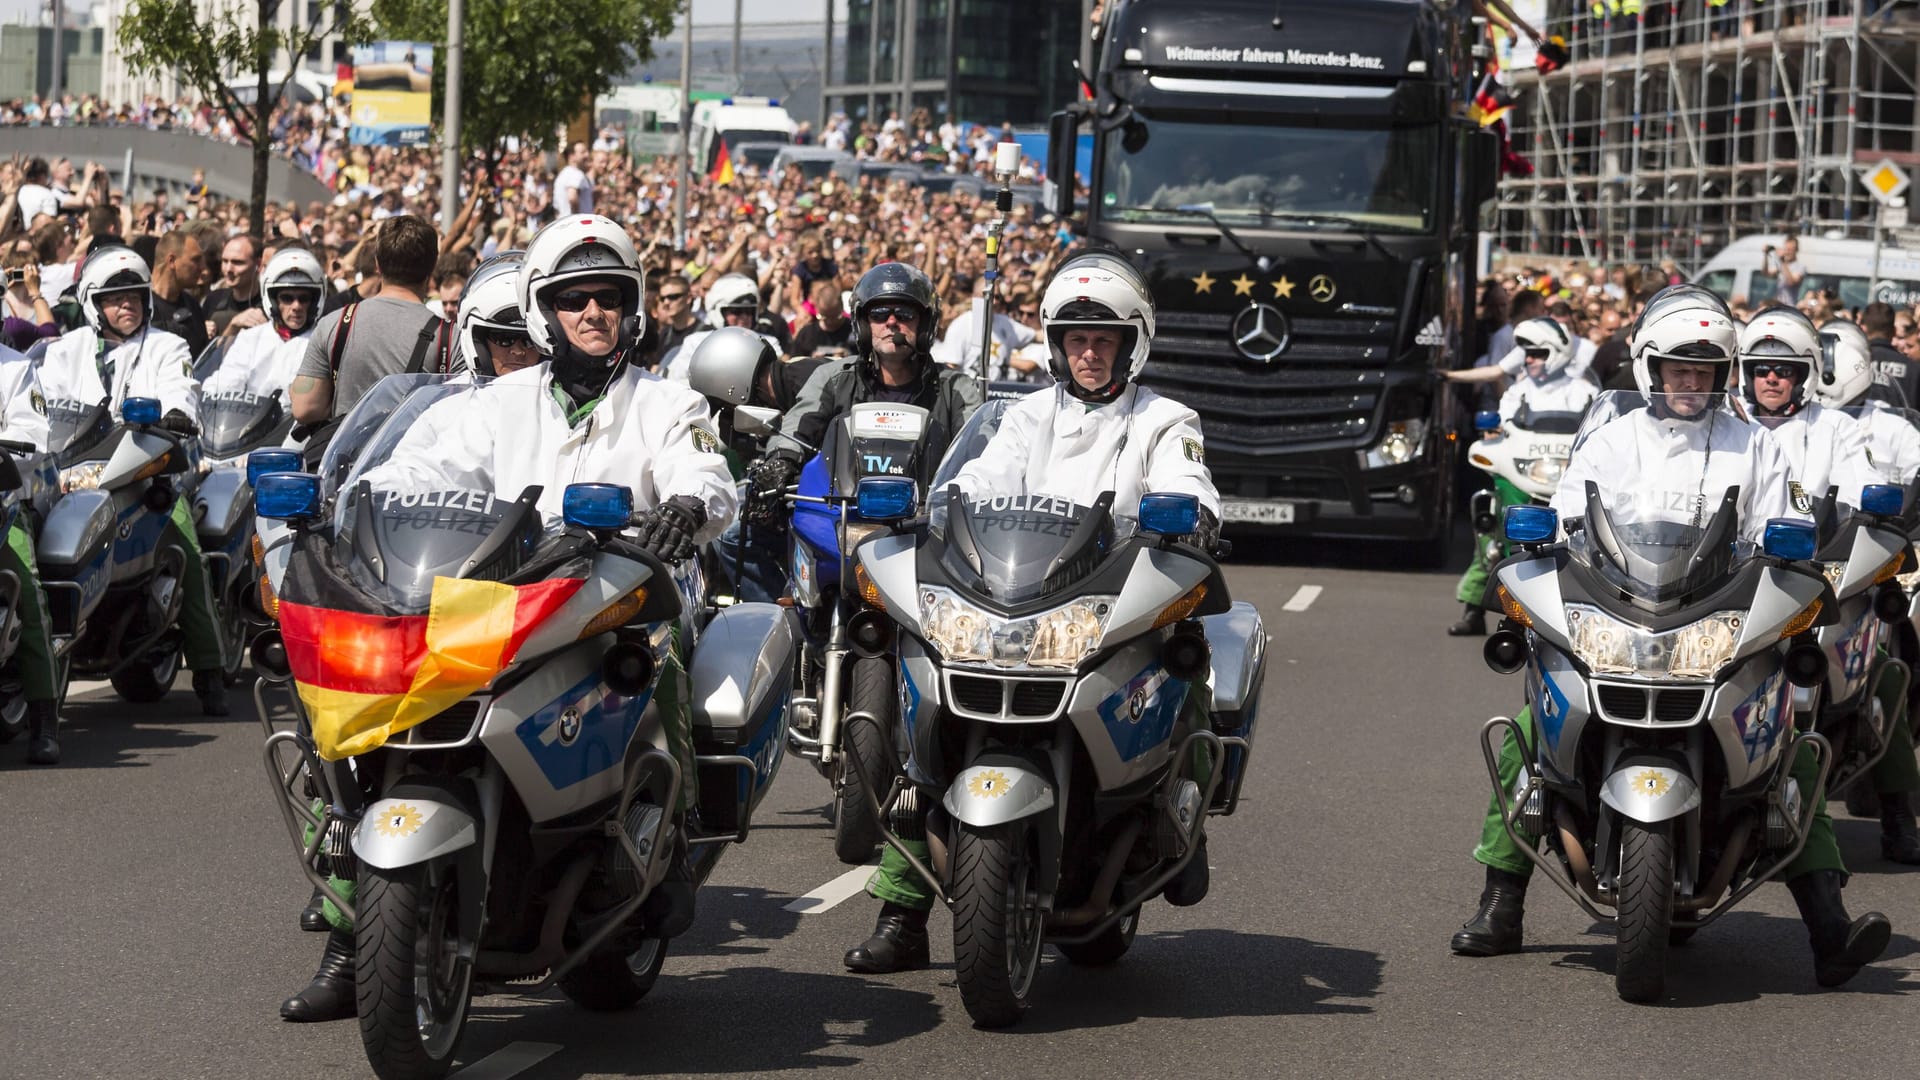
x=365 y=676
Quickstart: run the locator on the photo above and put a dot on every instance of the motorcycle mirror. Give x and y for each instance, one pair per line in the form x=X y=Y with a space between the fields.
x=262 y=462
x=597 y=506
x=884 y=498
x=287 y=496
x=1169 y=514
x=141 y=411
x=1486 y=420
x=1788 y=538
x=755 y=421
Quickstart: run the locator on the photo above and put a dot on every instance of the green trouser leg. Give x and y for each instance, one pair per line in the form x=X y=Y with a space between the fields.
x=1473 y=583
x=897 y=882
x=1896 y=772
x=1496 y=848
x=334 y=916
x=38 y=678
x=197 y=620
x=1822 y=851
x=675 y=697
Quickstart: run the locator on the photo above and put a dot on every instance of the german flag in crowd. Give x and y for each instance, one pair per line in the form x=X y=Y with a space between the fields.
x=365 y=678
x=722 y=172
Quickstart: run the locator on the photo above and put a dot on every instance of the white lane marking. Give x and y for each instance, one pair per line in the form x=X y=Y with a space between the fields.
x=1303 y=598
x=833 y=892
x=510 y=1060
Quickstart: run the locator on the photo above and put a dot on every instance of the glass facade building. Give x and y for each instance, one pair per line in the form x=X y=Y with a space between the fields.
x=980 y=61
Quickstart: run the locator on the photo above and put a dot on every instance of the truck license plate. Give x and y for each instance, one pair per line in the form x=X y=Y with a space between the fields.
x=1263 y=513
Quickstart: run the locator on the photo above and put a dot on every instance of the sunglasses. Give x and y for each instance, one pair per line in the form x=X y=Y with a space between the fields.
x=1538 y=354
x=297 y=296
x=1029 y=312
x=668 y=297
x=1785 y=371
x=577 y=300
x=884 y=312
x=508 y=339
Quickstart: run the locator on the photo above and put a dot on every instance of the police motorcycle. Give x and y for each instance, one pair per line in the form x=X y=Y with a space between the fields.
x=233 y=424
x=834 y=678
x=114 y=593
x=29 y=483
x=1894 y=432
x=1661 y=662
x=1523 y=457
x=1079 y=692
x=513 y=821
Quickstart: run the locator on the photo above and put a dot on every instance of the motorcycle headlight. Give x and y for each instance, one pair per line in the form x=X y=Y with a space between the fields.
x=1545 y=470
x=1058 y=638
x=1404 y=441
x=84 y=477
x=1610 y=647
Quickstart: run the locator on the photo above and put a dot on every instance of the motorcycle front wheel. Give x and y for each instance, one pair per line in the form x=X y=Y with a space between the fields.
x=998 y=924
x=865 y=763
x=412 y=985
x=1645 y=918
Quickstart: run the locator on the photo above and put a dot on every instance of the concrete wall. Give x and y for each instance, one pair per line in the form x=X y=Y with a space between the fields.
x=166 y=159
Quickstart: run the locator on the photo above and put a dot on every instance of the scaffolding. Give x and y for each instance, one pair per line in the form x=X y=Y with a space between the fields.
x=1676 y=129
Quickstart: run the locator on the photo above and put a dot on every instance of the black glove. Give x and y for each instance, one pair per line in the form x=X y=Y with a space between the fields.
x=1206 y=533
x=667 y=530
x=767 y=481
x=179 y=423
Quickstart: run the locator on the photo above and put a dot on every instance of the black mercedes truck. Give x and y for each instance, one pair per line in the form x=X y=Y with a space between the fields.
x=1301 y=183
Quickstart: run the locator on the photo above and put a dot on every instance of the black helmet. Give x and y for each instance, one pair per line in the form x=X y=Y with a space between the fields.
x=896 y=281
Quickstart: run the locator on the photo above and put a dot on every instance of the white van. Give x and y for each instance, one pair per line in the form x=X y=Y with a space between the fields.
x=735 y=121
x=1845 y=266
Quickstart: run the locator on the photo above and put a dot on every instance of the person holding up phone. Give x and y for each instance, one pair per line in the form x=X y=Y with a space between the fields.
x=1784 y=264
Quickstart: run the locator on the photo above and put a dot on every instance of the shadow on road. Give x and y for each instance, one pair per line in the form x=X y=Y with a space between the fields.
x=112 y=735
x=1720 y=966
x=736 y=921
x=754 y=1020
x=1202 y=974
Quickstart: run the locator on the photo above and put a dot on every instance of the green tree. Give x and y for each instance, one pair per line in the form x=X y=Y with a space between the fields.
x=207 y=48
x=531 y=65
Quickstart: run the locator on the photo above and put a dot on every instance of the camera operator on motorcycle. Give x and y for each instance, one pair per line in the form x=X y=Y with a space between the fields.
x=734 y=300
x=1548 y=385
x=1892 y=443
x=118 y=355
x=1780 y=359
x=1666 y=460
x=264 y=359
x=1095 y=430
x=23 y=426
x=581 y=294
x=896 y=318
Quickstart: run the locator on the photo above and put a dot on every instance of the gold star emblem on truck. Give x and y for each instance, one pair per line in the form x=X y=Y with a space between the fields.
x=1203 y=283
x=1243 y=286
x=1283 y=289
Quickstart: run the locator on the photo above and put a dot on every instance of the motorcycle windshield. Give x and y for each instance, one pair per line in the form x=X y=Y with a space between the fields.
x=406 y=514
x=207 y=364
x=363 y=423
x=231 y=424
x=75 y=429
x=1892 y=435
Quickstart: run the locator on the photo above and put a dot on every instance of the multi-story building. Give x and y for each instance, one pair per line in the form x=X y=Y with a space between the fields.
x=1680 y=125
x=118 y=82
x=980 y=60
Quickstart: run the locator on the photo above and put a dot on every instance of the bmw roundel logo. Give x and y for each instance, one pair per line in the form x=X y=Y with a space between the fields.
x=569 y=726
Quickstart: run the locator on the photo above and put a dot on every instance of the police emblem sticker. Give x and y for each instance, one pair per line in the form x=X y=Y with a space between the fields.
x=705 y=441
x=988 y=784
x=1651 y=782
x=1193 y=450
x=1801 y=500
x=38 y=401
x=400 y=820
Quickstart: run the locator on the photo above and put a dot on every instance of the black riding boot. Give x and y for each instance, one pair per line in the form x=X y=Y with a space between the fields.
x=314 y=916
x=1899 y=840
x=43 y=732
x=1841 y=946
x=899 y=943
x=1495 y=928
x=1473 y=623
x=212 y=688
x=330 y=995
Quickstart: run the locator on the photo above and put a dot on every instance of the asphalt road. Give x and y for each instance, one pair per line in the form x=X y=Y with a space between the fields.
x=149 y=900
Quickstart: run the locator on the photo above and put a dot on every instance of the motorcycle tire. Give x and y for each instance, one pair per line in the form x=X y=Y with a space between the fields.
x=998 y=925
x=866 y=765
x=13 y=719
x=411 y=996
x=149 y=679
x=1109 y=947
x=1645 y=920
x=609 y=981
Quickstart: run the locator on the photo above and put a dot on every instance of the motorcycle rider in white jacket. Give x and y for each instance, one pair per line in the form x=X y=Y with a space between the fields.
x=264 y=359
x=1847 y=382
x=1780 y=360
x=586 y=415
x=1547 y=385
x=1673 y=461
x=116 y=356
x=1097 y=430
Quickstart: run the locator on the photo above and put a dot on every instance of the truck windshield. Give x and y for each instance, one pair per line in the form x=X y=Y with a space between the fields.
x=1379 y=179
